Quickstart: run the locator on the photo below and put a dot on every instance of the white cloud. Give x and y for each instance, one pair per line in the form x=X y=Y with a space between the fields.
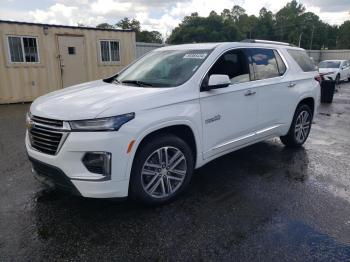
x=334 y=18
x=57 y=13
x=161 y=15
x=110 y=6
x=9 y=14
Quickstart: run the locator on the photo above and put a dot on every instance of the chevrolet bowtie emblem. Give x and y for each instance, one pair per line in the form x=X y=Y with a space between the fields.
x=29 y=124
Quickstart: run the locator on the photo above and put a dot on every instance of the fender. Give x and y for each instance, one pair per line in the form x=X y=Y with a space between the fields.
x=161 y=125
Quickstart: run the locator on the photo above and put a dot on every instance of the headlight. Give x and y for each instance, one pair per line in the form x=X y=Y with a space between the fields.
x=28 y=119
x=102 y=124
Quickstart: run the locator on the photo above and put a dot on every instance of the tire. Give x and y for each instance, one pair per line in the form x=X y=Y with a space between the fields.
x=172 y=174
x=297 y=136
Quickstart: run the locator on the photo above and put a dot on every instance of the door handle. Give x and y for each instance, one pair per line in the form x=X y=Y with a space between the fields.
x=291 y=84
x=250 y=93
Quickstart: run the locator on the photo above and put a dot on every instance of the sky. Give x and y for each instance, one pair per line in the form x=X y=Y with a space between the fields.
x=160 y=15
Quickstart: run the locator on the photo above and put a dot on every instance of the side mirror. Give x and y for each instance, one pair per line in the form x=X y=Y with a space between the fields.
x=217 y=81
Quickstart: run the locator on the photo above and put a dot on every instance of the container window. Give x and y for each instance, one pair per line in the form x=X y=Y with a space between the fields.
x=71 y=50
x=23 y=49
x=110 y=51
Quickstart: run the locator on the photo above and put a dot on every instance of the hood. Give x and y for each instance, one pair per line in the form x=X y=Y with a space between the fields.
x=327 y=70
x=91 y=99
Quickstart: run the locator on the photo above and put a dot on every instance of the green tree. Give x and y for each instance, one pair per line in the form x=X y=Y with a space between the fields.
x=133 y=24
x=288 y=26
x=149 y=37
x=105 y=26
x=126 y=23
x=344 y=35
x=196 y=29
x=264 y=26
x=237 y=12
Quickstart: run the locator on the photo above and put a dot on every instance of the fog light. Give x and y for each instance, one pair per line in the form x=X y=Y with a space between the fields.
x=98 y=163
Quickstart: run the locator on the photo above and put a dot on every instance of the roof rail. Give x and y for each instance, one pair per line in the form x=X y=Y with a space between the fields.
x=265 y=42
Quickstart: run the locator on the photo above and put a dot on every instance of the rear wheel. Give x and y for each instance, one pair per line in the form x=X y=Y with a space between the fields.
x=162 y=169
x=300 y=127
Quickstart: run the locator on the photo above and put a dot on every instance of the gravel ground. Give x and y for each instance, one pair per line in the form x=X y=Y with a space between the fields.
x=261 y=203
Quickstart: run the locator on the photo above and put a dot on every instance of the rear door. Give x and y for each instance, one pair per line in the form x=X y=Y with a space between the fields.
x=277 y=94
x=229 y=114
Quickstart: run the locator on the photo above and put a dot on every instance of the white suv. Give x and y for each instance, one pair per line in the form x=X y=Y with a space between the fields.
x=142 y=132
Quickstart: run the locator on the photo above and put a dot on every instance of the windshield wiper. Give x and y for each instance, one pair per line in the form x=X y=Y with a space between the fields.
x=136 y=82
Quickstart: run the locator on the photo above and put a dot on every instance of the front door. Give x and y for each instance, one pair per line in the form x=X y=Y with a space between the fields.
x=229 y=114
x=72 y=60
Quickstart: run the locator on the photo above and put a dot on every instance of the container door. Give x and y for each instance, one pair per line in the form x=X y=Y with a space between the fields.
x=72 y=60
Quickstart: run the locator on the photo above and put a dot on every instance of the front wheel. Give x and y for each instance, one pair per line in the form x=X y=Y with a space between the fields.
x=162 y=169
x=300 y=127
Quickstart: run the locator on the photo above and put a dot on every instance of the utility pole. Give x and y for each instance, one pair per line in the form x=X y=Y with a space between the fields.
x=300 y=38
x=312 y=36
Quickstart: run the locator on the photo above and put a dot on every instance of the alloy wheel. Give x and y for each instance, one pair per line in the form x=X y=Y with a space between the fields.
x=163 y=172
x=302 y=126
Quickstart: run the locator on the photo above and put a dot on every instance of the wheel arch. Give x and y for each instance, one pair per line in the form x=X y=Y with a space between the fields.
x=310 y=101
x=306 y=99
x=183 y=129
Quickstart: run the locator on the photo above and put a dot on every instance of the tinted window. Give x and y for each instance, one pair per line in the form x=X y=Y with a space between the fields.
x=302 y=59
x=234 y=64
x=281 y=65
x=329 y=64
x=166 y=68
x=265 y=63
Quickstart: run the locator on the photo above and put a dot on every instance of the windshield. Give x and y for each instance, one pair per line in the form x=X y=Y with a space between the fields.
x=163 y=68
x=329 y=64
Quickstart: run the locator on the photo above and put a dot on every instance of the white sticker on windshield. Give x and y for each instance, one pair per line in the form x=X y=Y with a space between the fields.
x=196 y=56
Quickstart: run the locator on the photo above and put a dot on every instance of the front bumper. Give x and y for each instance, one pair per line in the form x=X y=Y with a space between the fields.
x=51 y=175
x=327 y=76
x=66 y=170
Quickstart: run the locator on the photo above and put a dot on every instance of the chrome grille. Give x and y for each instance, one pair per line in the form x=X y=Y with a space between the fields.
x=46 y=121
x=46 y=135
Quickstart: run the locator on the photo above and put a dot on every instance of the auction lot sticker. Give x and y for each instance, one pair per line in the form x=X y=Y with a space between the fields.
x=196 y=56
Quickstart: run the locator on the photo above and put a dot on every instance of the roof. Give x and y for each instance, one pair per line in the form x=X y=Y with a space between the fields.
x=203 y=46
x=196 y=46
x=64 y=26
x=259 y=41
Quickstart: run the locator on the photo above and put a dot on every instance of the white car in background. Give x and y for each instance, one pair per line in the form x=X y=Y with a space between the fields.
x=337 y=70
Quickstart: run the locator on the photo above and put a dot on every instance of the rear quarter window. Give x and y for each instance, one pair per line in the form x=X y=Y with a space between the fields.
x=302 y=59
